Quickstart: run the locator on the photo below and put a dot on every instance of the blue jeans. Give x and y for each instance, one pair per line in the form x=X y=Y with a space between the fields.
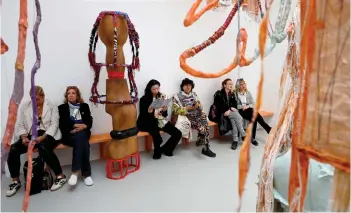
x=81 y=152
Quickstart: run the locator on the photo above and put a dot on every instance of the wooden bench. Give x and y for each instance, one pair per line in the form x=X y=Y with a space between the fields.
x=103 y=138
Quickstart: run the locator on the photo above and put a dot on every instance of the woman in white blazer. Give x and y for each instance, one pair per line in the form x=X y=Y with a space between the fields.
x=48 y=138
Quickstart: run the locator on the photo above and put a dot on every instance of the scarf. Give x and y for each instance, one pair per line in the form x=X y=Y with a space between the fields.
x=74 y=111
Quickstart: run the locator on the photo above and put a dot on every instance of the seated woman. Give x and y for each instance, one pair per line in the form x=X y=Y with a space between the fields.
x=48 y=136
x=226 y=105
x=187 y=103
x=154 y=120
x=75 y=125
x=246 y=108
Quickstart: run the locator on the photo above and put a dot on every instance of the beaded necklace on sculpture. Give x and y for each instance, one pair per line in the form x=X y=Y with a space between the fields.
x=134 y=42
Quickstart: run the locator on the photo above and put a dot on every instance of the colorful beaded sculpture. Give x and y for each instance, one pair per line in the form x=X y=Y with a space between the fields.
x=134 y=42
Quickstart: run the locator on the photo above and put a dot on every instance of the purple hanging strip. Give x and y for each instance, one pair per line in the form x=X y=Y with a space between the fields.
x=34 y=105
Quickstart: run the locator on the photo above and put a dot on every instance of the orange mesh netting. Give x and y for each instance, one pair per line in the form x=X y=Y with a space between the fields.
x=323 y=130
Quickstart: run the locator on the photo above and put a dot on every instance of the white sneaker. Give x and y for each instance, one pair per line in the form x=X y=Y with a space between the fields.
x=59 y=182
x=13 y=188
x=73 y=180
x=88 y=181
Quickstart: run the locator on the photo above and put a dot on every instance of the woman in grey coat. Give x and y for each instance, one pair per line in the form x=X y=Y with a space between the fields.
x=246 y=104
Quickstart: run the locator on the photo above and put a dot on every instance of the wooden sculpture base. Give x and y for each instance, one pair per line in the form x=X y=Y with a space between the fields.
x=123 y=117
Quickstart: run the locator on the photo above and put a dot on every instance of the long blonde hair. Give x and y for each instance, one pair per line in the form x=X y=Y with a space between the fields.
x=237 y=85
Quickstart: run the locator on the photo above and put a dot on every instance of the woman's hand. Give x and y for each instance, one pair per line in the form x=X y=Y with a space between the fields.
x=189 y=108
x=227 y=113
x=25 y=140
x=74 y=131
x=80 y=126
x=41 y=138
x=150 y=110
x=197 y=105
x=233 y=109
x=245 y=107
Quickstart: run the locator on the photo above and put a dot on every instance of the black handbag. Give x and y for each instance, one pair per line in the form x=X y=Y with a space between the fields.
x=37 y=175
x=224 y=125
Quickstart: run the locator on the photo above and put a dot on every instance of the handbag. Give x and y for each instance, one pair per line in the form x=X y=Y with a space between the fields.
x=225 y=125
x=184 y=125
x=212 y=113
x=37 y=175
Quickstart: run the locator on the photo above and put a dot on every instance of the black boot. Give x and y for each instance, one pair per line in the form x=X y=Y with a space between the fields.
x=234 y=145
x=207 y=151
x=157 y=153
x=254 y=142
x=167 y=153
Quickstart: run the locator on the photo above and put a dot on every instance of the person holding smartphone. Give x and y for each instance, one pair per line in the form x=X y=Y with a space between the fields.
x=48 y=138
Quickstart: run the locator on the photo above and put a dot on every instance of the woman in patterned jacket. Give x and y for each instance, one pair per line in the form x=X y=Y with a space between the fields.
x=187 y=103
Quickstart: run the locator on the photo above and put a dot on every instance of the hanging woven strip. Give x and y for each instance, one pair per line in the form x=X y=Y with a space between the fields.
x=34 y=106
x=135 y=65
x=323 y=132
x=17 y=93
x=279 y=140
x=244 y=157
x=4 y=47
x=218 y=34
x=279 y=34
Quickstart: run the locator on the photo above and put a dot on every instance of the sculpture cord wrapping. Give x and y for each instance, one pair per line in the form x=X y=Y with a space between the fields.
x=134 y=42
x=17 y=93
x=276 y=36
x=34 y=104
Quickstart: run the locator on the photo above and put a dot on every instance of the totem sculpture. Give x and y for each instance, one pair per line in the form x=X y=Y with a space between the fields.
x=113 y=28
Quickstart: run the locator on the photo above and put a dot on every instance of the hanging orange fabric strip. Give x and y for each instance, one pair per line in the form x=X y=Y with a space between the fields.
x=191 y=17
x=244 y=158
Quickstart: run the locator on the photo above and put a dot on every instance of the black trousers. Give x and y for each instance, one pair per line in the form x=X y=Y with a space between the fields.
x=248 y=114
x=81 y=152
x=172 y=142
x=45 y=149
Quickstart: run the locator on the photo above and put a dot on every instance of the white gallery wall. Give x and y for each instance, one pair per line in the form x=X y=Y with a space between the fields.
x=64 y=40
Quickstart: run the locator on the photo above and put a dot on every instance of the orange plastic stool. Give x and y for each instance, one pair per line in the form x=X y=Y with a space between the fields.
x=123 y=166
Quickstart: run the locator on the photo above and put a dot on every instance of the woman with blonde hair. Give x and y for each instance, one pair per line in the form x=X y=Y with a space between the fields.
x=47 y=140
x=75 y=125
x=246 y=105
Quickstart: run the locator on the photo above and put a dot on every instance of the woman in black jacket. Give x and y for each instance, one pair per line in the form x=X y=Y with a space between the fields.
x=75 y=125
x=226 y=105
x=154 y=120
